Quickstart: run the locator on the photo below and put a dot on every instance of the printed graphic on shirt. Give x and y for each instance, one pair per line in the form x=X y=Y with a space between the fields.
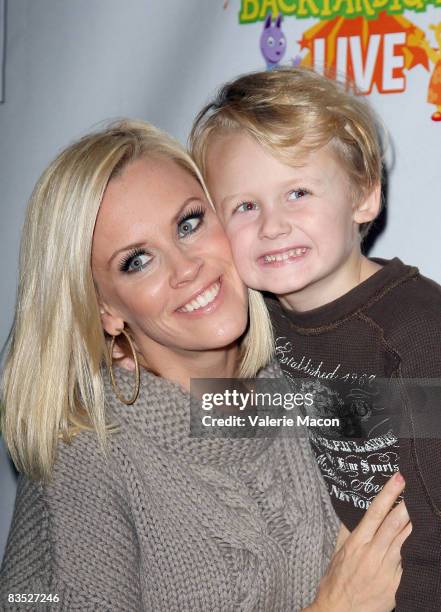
x=357 y=457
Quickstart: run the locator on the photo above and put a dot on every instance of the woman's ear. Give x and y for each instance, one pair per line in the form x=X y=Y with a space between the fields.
x=111 y=323
x=369 y=207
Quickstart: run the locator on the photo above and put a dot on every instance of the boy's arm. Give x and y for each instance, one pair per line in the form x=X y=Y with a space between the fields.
x=420 y=464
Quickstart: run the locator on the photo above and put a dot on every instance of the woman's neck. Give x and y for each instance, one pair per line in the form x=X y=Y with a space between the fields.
x=182 y=366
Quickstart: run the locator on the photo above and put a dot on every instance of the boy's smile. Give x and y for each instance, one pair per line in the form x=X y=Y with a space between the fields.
x=282 y=256
x=294 y=230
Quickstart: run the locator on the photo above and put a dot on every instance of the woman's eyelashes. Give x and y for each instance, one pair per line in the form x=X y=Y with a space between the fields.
x=135 y=261
x=190 y=221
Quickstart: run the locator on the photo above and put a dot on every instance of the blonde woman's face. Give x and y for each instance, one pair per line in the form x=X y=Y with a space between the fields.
x=162 y=263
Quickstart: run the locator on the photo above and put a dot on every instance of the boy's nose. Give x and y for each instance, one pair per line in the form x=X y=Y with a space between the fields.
x=274 y=225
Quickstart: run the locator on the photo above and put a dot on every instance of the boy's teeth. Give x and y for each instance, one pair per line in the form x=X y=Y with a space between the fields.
x=286 y=255
x=203 y=299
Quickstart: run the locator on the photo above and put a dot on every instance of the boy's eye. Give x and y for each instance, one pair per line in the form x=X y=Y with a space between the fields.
x=296 y=194
x=135 y=261
x=246 y=207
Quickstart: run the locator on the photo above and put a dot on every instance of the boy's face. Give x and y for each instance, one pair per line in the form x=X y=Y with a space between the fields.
x=293 y=230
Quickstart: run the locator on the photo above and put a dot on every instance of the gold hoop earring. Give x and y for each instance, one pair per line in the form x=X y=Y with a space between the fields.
x=135 y=393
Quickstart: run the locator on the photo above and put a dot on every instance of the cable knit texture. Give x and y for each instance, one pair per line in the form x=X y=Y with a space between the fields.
x=168 y=522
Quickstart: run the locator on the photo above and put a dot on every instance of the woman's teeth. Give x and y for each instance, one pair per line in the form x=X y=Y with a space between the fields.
x=203 y=299
x=284 y=256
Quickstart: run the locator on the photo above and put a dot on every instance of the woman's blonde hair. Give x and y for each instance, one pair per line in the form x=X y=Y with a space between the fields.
x=52 y=383
x=292 y=111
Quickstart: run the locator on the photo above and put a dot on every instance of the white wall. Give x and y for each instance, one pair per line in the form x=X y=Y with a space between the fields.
x=73 y=63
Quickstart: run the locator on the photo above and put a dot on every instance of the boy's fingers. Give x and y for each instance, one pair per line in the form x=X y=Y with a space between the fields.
x=379 y=509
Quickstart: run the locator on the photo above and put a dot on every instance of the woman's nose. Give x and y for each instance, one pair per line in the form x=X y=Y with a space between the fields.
x=273 y=225
x=185 y=267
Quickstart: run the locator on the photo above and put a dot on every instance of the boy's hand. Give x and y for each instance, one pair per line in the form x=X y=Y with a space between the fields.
x=365 y=572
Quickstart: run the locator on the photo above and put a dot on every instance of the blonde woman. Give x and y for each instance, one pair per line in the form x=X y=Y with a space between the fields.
x=117 y=507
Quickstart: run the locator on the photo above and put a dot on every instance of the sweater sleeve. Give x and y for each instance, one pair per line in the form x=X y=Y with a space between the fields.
x=420 y=463
x=73 y=538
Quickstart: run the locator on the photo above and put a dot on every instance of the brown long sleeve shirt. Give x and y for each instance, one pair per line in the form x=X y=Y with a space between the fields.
x=386 y=329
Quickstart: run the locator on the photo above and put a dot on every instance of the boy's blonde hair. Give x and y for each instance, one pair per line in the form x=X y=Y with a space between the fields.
x=52 y=383
x=292 y=111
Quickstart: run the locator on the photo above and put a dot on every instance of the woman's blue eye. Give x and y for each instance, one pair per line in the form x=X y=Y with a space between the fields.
x=296 y=194
x=246 y=207
x=135 y=261
x=188 y=226
x=190 y=221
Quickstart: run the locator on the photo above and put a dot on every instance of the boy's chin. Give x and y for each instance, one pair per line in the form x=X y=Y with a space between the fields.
x=278 y=284
x=284 y=290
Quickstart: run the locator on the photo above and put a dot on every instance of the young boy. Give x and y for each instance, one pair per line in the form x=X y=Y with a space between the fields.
x=293 y=163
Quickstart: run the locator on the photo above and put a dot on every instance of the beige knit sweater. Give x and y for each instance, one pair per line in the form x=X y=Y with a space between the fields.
x=171 y=523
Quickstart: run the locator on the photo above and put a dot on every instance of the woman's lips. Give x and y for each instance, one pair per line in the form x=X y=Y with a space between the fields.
x=283 y=256
x=204 y=302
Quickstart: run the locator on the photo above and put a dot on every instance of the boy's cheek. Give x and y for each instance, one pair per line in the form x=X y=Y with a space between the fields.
x=242 y=256
x=244 y=244
x=237 y=248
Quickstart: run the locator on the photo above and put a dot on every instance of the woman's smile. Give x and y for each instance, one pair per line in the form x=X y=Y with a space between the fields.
x=203 y=301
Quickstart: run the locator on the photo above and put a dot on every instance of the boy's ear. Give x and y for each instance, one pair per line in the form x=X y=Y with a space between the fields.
x=112 y=323
x=369 y=208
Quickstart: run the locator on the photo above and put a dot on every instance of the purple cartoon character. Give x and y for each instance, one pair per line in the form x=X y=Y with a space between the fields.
x=272 y=41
